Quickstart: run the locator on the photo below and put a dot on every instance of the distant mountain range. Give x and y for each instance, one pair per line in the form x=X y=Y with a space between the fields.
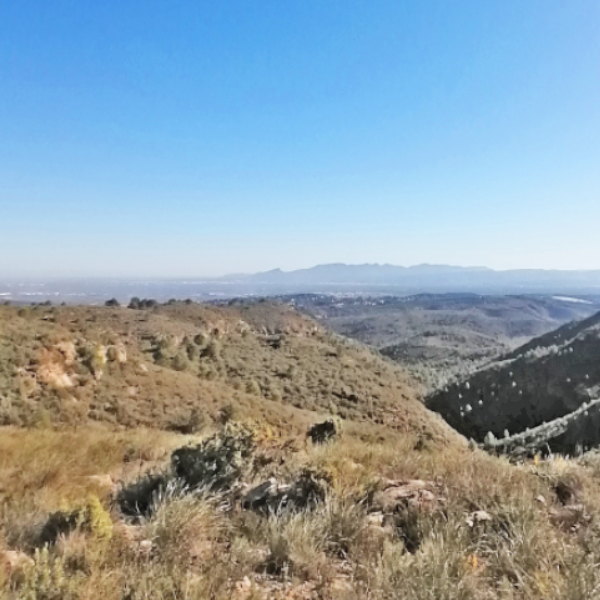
x=325 y=279
x=430 y=278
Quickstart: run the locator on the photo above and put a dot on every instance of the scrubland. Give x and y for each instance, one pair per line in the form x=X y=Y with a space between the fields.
x=104 y=504
x=488 y=528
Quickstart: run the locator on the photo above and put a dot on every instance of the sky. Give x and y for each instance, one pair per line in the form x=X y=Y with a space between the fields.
x=198 y=138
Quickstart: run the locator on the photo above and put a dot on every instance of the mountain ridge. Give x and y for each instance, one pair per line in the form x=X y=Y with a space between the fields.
x=428 y=277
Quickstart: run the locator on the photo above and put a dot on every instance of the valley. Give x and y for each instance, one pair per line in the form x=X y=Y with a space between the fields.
x=439 y=337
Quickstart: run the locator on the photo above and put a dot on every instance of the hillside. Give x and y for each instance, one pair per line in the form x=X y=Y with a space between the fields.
x=441 y=336
x=157 y=367
x=163 y=454
x=546 y=379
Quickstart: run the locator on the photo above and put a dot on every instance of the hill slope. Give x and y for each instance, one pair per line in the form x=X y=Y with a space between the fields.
x=440 y=336
x=547 y=378
x=108 y=510
x=156 y=367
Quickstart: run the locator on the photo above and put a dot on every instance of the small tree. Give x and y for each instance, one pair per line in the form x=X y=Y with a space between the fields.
x=134 y=303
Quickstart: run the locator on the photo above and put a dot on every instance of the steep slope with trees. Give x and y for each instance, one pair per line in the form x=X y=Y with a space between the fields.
x=546 y=379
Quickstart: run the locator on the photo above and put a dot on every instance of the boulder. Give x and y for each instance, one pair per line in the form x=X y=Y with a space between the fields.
x=262 y=495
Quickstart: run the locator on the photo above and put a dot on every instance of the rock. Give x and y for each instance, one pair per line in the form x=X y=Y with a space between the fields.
x=569 y=518
x=261 y=495
x=379 y=526
x=477 y=517
x=274 y=341
x=415 y=494
x=303 y=591
x=322 y=432
x=340 y=585
x=375 y=519
x=67 y=349
x=242 y=590
x=117 y=353
x=145 y=547
x=271 y=497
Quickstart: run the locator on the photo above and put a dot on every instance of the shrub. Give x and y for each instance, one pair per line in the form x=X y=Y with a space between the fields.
x=190 y=423
x=217 y=462
x=47 y=579
x=213 y=350
x=253 y=387
x=228 y=413
x=180 y=362
x=185 y=528
x=134 y=303
x=139 y=498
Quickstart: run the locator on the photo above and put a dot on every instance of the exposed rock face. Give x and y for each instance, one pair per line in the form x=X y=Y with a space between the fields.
x=54 y=375
x=478 y=517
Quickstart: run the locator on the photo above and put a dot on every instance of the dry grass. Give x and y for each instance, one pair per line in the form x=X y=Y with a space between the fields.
x=199 y=546
x=58 y=483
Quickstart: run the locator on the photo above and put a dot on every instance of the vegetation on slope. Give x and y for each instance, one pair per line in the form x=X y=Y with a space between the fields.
x=179 y=363
x=546 y=379
x=145 y=501
x=442 y=336
x=473 y=527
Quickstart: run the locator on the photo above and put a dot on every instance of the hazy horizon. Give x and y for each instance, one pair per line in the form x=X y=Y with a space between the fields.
x=225 y=276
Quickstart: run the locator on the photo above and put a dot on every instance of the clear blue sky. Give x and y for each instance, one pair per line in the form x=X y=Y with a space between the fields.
x=196 y=137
